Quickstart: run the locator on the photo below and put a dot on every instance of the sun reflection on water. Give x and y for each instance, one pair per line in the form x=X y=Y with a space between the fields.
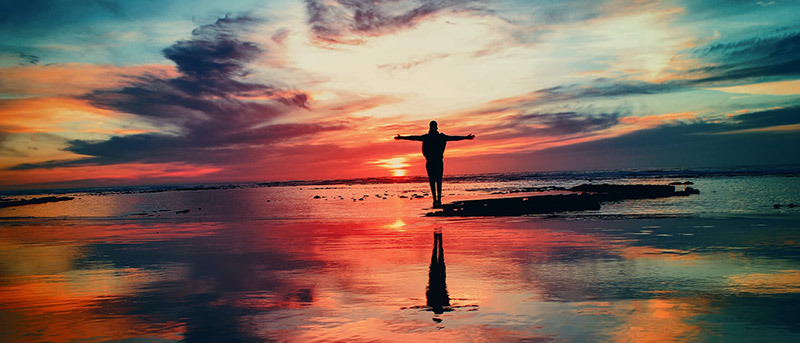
x=398 y=225
x=383 y=280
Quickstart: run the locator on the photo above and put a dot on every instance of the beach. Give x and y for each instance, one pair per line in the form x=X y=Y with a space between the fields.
x=358 y=262
x=399 y=171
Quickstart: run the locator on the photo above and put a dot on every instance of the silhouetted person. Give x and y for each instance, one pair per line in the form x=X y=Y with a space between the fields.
x=433 y=145
x=436 y=293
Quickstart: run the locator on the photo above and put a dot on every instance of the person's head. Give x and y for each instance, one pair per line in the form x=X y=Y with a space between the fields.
x=434 y=126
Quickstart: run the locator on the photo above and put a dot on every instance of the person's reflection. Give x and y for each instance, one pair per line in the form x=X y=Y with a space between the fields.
x=436 y=293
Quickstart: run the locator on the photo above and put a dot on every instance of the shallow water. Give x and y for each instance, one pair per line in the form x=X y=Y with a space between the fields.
x=723 y=196
x=305 y=280
x=127 y=266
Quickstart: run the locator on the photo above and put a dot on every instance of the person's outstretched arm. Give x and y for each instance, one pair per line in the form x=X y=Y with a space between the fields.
x=409 y=138
x=460 y=138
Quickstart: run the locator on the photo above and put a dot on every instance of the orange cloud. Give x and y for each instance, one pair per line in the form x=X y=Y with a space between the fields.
x=655 y=120
x=776 y=128
x=46 y=114
x=37 y=128
x=70 y=79
x=772 y=88
x=127 y=172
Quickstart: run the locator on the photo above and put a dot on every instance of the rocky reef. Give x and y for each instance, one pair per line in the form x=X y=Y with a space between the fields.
x=585 y=197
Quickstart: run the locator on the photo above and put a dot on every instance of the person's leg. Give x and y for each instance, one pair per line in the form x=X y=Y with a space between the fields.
x=439 y=175
x=435 y=170
x=431 y=168
x=439 y=189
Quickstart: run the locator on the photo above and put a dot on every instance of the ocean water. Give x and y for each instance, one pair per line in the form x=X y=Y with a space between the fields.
x=359 y=262
x=731 y=194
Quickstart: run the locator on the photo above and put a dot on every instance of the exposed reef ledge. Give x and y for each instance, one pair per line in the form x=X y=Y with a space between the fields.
x=21 y=202
x=586 y=197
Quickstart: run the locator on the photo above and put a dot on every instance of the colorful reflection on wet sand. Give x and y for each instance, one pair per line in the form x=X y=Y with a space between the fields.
x=647 y=280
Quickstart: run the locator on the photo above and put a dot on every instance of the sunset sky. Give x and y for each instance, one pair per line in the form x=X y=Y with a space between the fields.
x=109 y=92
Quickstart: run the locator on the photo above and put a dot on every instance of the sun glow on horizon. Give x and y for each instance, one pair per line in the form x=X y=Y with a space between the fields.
x=395 y=164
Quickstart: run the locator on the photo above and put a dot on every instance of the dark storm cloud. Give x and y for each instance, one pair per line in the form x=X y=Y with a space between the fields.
x=210 y=64
x=564 y=123
x=601 y=88
x=218 y=117
x=159 y=148
x=212 y=60
x=762 y=57
x=348 y=21
x=685 y=145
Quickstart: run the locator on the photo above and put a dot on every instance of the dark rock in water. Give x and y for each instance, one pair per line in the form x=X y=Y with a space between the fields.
x=21 y=202
x=688 y=191
x=183 y=211
x=791 y=205
x=520 y=206
x=589 y=198
x=776 y=206
x=317 y=197
x=685 y=183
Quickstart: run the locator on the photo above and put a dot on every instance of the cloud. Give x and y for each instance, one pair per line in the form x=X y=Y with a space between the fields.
x=756 y=58
x=564 y=123
x=682 y=144
x=202 y=146
x=604 y=87
x=29 y=58
x=350 y=21
x=761 y=119
x=69 y=79
x=212 y=60
x=209 y=112
x=5 y=150
x=413 y=62
x=776 y=54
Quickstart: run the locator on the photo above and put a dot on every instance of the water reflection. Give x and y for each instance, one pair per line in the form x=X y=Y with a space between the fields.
x=535 y=280
x=436 y=293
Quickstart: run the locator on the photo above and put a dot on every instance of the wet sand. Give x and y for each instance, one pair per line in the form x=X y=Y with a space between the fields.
x=362 y=279
x=280 y=264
